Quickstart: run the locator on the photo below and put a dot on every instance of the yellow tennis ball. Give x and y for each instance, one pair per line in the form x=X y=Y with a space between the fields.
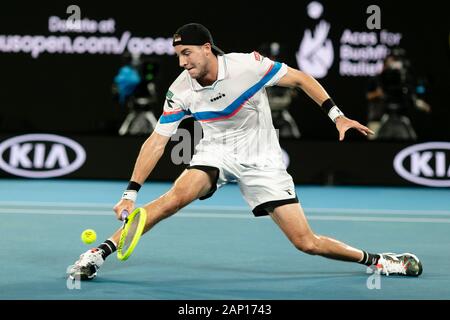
x=88 y=236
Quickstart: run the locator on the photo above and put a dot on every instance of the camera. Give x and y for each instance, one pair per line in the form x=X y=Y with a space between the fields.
x=395 y=81
x=136 y=89
x=393 y=96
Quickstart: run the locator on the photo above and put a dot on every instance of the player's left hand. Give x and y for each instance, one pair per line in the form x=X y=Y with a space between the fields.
x=343 y=124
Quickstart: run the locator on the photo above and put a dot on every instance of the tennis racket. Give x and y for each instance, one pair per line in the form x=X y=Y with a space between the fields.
x=133 y=225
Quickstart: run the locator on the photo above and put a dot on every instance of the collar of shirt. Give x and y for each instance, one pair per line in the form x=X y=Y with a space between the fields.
x=220 y=76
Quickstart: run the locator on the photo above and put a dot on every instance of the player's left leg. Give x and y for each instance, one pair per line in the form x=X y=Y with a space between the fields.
x=292 y=221
x=192 y=184
x=272 y=191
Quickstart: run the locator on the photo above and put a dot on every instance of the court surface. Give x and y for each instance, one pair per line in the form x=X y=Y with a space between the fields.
x=216 y=249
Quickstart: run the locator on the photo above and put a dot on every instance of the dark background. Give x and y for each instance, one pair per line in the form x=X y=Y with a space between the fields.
x=68 y=93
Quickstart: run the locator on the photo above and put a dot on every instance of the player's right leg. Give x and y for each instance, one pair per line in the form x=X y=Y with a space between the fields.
x=190 y=185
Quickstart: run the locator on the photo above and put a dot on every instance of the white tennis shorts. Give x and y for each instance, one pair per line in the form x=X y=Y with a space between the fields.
x=263 y=187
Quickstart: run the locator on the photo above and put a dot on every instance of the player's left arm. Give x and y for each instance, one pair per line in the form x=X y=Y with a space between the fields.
x=298 y=79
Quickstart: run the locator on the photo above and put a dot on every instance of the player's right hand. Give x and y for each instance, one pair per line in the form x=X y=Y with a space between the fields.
x=123 y=204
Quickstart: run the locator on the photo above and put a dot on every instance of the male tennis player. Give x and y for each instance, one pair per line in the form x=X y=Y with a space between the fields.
x=226 y=94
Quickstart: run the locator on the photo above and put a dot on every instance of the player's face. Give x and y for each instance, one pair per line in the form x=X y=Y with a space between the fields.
x=194 y=59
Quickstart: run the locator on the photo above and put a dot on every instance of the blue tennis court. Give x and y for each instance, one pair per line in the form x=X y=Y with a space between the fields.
x=216 y=249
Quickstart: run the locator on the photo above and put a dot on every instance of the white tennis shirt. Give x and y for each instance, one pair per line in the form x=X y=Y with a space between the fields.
x=234 y=111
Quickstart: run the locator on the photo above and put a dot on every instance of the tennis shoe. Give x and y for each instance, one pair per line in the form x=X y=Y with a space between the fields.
x=404 y=264
x=87 y=266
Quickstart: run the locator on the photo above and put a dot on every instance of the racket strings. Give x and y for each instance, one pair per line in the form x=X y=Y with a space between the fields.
x=131 y=232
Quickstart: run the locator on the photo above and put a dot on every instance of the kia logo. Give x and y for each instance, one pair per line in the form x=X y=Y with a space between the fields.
x=426 y=164
x=41 y=155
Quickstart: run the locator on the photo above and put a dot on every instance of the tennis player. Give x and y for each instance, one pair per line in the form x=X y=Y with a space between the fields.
x=226 y=94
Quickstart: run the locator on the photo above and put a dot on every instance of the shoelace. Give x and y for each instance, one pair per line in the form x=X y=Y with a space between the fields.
x=392 y=266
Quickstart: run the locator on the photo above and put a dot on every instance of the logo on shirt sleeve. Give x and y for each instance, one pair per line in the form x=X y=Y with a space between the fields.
x=257 y=56
x=169 y=95
x=169 y=104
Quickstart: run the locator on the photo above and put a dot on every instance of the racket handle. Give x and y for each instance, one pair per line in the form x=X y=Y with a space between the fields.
x=124 y=214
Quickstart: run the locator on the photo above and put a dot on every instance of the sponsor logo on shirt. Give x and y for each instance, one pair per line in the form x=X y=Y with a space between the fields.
x=219 y=96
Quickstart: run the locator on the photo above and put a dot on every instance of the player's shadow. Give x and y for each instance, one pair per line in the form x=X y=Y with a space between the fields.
x=220 y=287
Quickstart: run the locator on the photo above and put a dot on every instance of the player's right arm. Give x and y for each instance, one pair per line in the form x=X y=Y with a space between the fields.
x=151 y=151
x=153 y=148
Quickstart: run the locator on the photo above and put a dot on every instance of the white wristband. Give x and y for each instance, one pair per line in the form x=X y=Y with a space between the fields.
x=130 y=195
x=334 y=113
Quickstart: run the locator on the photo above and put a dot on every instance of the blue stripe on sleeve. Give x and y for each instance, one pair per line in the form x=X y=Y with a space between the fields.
x=168 y=118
